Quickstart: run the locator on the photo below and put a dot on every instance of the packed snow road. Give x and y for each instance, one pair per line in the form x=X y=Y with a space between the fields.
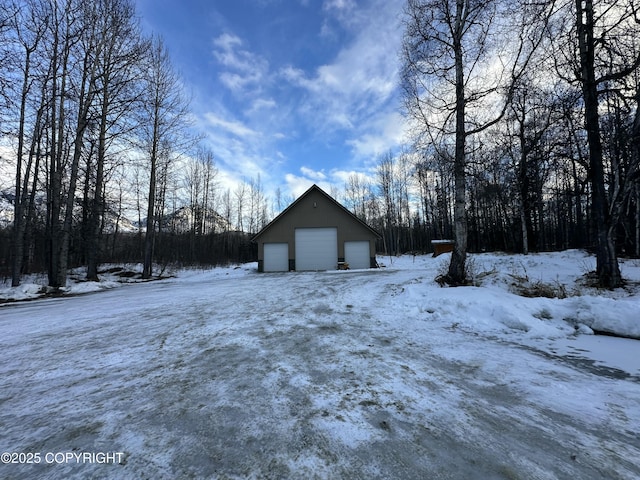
x=234 y=374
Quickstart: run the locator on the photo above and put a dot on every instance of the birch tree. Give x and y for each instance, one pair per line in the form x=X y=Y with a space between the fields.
x=119 y=62
x=65 y=35
x=29 y=26
x=7 y=13
x=461 y=59
x=163 y=127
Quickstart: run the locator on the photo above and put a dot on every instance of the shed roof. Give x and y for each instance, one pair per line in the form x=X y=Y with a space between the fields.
x=313 y=188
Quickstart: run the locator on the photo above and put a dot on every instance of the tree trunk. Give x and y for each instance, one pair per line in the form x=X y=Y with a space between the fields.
x=635 y=152
x=523 y=184
x=98 y=205
x=456 y=274
x=637 y=219
x=54 y=200
x=18 y=220
x=607 y=267
x=149 y=237
x=87 y=92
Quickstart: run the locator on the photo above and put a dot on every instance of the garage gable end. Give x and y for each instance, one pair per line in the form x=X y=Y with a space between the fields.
x=314 y=208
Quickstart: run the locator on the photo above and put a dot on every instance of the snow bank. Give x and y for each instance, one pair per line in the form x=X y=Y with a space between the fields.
x=24 y=291
x=496 y=303
x=619 y=316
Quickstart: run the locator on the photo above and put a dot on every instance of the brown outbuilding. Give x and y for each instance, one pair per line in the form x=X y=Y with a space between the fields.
x=315 y=232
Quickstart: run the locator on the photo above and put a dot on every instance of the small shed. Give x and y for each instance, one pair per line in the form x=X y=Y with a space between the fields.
x=315 y=232
x=442 y=246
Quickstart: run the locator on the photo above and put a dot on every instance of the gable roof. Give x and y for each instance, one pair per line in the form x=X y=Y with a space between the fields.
x=313 y=188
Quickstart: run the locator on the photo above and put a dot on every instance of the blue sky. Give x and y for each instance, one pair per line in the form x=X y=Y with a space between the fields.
x=299 y=91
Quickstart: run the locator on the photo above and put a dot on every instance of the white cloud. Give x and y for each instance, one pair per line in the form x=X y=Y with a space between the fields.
x=341 y=177
x=331 y=181
x=339 y=5
x=263 y=103
x=296 y=76
x=386 y=131
x=231 y=126
x=351 y=100
x=236 y=146
x=342 y=10
x=313 y=174
x=298 y=185
x=244 y=70
x=226 y=43
x=241 y=151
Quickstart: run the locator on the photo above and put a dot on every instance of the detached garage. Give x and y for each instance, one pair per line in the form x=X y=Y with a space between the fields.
x=315 y=233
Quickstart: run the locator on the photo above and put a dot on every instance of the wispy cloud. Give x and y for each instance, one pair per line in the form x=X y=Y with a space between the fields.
x=263 y=104
x=238 y=148
x=313 y=174
x=334 y=179
x=243 y=70
x=233 y=127
x=341 y=9
x=385 y=131
x=360 y=84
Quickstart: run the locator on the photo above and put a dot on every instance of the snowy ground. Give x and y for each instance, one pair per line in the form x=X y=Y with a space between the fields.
x=228 y=373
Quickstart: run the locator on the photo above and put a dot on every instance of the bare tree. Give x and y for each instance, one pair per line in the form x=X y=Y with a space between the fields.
x=7 y=15
x=531 y=113
x=165 y=110
x=635 y=152
x=29 y=25
x=199 y=181
x=118 y=61
x=434 y=175
x=257 y=205
x=359 y=195
x=459 y=59
x=92 y=42
x=210 y=218
x=65 y=49
x=607 y=53
x=240 y=195
x=227 y=210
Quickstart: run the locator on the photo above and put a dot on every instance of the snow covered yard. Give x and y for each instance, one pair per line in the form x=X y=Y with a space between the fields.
x=228 y=373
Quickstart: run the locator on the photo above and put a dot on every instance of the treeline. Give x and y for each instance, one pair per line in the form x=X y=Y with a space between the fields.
x=95 y=126
x=409 y=200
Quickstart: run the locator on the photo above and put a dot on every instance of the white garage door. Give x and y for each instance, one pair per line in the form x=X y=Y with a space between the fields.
x=356 y=254
x=276 y=257
x=316 y=249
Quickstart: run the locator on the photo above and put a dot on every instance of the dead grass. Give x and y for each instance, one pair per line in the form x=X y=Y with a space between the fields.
x=524 y=287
